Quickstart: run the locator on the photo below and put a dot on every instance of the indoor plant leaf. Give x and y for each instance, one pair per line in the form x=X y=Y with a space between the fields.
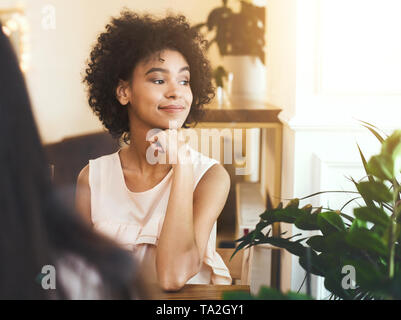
x=330 y=222
x=365 y=164
x=375 y=190
x=392 y=145
x=237 y=295
x=367 y=240
x=374 y=251
x=369 y=202
x=374 y=215
x=381 y=166
x=293 y=247
x=375 y=133
x=316 y=264
x=334 y=286
x=307 y=221
x=368 y=275
x=358 y=224
x=317 y=243
x=288 y=215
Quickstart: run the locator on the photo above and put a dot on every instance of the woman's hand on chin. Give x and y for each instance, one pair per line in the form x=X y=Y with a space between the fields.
x=173 y=145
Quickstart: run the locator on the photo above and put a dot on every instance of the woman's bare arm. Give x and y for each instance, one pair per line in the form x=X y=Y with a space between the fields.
x=188 y=222
x=83 y=195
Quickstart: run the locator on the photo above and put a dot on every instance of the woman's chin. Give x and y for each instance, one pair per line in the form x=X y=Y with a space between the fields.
x=171 y=124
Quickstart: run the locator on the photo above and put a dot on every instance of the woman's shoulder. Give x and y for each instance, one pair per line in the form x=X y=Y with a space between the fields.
x=200 y=159
x=84 y=173
x=105 y=157
x=215 y=173
x=83 y=176
x=83 y=179
x=207 y=168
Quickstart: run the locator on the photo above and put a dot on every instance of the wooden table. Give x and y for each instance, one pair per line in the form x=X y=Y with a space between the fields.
x=197 y=292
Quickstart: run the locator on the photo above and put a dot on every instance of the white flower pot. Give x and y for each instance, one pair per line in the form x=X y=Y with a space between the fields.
x=249 y=78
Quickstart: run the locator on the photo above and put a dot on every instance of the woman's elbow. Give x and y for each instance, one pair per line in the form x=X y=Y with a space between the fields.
x=171 y=285
x=175 y=282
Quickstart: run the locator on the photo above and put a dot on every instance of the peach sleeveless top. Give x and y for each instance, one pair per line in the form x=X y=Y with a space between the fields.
x=135 y=219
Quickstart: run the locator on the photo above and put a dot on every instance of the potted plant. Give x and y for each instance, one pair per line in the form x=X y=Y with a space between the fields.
x=369 y=243
x=240 y=40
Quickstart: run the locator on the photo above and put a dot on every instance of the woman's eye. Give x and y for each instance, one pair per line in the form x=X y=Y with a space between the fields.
x=157 y=81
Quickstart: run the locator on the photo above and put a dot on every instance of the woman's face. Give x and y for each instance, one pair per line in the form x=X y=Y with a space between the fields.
x=160 y=91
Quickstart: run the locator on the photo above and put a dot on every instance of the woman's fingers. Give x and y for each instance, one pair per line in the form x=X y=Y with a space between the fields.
x=158 y=141
x=172 y=143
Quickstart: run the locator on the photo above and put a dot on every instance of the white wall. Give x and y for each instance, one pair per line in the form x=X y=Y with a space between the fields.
x=281 y=54
x=348 y=61
x=330 y=63
x=58 y=56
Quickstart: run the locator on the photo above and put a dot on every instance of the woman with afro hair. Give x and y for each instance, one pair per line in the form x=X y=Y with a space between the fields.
x=148 y=80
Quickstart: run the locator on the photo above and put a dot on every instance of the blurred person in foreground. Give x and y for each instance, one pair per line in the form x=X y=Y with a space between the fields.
x=35 y=229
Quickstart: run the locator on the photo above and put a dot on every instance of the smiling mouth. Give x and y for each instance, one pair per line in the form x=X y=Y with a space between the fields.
x=172 y=108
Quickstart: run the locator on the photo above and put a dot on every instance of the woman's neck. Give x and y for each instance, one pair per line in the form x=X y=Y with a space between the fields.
x=137 y=153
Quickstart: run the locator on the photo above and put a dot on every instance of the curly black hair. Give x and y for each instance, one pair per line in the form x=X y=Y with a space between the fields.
x=132 y=38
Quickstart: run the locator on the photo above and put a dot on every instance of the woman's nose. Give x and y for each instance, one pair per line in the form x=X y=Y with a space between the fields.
x=173 y=90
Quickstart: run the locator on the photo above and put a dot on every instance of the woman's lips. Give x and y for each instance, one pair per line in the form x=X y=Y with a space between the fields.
x=172 y=109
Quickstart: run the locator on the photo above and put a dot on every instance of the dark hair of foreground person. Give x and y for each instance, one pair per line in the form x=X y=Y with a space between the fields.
x=36 y=229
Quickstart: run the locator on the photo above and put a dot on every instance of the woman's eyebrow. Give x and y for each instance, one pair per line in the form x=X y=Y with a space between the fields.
x=165 y=70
